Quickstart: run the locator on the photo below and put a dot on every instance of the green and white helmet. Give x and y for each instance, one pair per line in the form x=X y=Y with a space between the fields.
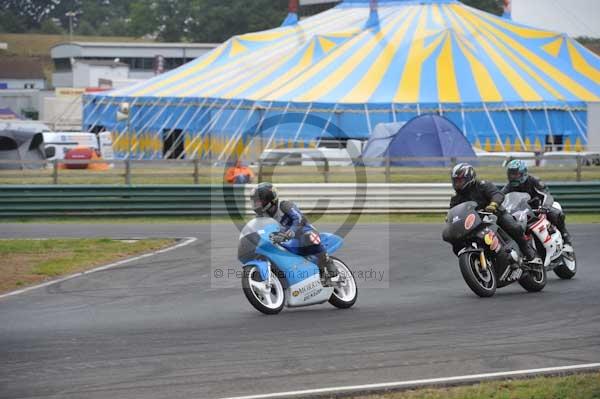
x=516 y=171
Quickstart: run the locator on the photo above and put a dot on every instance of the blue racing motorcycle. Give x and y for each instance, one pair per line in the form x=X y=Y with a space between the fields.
x=275 y=276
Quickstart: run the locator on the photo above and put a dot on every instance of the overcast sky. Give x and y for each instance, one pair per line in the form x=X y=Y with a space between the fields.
x=573 y=17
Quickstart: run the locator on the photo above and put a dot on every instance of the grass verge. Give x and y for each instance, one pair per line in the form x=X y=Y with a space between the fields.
x=27 y=262
x=183 y=174
x=418 y=218
x=580 y=386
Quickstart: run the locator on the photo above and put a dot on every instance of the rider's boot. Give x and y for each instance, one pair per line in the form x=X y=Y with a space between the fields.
x=563 y=230
x=329 y=274
x=530 y=254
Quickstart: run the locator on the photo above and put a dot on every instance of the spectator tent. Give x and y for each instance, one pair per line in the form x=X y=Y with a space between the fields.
x=426 y=136
x=342 y=72
x=21 y=145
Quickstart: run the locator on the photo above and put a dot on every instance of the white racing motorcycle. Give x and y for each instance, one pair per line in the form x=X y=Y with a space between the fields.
x=547 y=239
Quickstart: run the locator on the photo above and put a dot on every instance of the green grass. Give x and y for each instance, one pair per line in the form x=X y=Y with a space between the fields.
x=39 y=45
x=24 y=262
x=579 y=386
x=424 y=218
x=182 y=174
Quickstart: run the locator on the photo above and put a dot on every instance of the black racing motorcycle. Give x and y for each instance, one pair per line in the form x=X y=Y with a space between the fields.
x=488 y=257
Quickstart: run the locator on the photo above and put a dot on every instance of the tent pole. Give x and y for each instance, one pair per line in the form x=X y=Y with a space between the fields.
x=153 y=118
x=464 y=121
x=99 y=117
x=550 y=132
x=127 y=127
x=287 y=107
x=199 y=108
x=487 y=112
x=328 y=123
x=182 y=136
x=303 y=122
x=98 y=103
x=224 y=127
x=237 y=135
x=369 y=127
x=514 y=125
x=579 y=128
x=170 y=132
x=211 y=123
x=196 y=134
x=257 y=132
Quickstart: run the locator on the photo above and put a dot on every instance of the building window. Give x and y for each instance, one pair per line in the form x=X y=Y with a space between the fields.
x=172 y=63
x=62 y=65
x=29 y=86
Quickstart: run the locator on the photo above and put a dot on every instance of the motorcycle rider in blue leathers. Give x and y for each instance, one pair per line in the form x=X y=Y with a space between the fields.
x=301 y=236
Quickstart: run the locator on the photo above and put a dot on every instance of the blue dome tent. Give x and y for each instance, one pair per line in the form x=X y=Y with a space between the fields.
x=425 y=136
x=508 y=87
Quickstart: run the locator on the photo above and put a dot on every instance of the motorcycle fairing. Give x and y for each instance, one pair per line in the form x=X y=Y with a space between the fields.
x=552 y=243
x=262 y=266
x=307 y=292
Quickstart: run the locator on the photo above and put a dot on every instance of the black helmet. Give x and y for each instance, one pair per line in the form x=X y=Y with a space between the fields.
x=463 y=175
x=264 y=199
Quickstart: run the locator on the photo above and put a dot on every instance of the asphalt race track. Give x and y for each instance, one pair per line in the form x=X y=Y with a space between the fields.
x=164 y=328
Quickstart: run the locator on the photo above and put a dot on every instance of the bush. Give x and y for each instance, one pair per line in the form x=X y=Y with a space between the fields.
x=49 y=27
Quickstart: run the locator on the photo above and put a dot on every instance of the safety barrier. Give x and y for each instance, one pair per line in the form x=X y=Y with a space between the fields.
x=49 y=200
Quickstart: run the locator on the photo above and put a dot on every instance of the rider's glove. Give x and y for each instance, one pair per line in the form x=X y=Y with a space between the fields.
x=492 y=207
x=282 y=236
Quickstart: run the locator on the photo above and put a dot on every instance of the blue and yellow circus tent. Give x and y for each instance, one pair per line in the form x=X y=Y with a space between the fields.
x=340 y=73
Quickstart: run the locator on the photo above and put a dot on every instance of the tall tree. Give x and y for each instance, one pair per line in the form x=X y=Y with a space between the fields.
x=491 y=6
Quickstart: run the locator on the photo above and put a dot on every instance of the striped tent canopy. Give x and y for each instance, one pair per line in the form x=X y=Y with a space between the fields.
x=341 y=72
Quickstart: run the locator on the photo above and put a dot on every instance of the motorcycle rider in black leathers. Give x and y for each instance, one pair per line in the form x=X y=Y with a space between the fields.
x=301 y=237
x=489 y=198
x=519 y=180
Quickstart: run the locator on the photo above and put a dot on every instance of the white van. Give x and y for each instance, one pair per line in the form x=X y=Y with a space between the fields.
x=62 y=142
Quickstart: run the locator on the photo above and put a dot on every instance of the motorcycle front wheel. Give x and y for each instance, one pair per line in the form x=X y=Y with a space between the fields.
x=482 y=281
x=268 y=300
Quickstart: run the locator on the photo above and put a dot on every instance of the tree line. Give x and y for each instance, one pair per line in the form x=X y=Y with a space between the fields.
x=164 y=20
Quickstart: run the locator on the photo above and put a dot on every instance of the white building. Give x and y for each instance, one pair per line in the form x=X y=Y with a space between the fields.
x=140 y=57
x=89 y=73
x=17 y=73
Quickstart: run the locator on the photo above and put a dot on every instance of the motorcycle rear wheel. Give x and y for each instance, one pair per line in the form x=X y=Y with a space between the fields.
x=346 y=294
x=481 y=281
x=534 y=281
x=568 y=269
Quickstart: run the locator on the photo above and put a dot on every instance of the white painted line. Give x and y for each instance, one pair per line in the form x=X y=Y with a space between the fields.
x=416 y=383
x=187 y=241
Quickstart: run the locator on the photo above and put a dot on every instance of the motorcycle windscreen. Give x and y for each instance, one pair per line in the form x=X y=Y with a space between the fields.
x=251 y=236
x=516 y=201
x=461 y=221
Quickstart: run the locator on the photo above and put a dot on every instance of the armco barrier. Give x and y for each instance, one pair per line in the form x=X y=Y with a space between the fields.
x=233 y=200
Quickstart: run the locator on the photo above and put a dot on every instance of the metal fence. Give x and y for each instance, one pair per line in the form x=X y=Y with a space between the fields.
x=552 y=167
x=225 y=200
